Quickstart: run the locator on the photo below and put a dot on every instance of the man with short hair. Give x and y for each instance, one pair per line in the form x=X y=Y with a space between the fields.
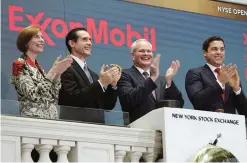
x=81 y=87
x=141 y=87
x=214 y=87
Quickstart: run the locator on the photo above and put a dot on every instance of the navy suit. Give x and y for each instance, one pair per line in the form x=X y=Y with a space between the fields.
x=204 y=92
x=135 y=93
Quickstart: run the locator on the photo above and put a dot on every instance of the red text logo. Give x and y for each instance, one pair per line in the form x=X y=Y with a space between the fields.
x=245 y=59
x=100 y=34
x=245 y=38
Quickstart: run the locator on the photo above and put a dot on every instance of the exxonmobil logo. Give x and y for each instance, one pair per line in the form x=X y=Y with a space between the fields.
x=100 y=34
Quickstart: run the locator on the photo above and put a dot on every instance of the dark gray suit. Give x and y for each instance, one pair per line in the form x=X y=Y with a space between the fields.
x=135 y=93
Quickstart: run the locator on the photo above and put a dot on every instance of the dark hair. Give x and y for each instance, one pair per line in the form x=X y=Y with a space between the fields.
x=25 y=36
x=72 y=35
x=207 y=42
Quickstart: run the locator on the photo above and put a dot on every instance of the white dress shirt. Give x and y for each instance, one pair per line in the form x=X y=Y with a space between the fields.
x=148 y=71
x=141 y=71
x=82 y=64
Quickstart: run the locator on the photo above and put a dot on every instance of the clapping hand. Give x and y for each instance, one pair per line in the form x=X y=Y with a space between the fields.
x=59 y=66
x=116 y=75
x=235 y=81
x=107 y=74
x=226 y=73
x=155 y=70
x=172 y=71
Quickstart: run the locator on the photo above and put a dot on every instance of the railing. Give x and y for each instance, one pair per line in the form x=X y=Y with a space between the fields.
x=83 y=135
x=75 y=141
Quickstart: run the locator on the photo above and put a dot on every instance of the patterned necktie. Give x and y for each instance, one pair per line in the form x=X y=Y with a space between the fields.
x=217 y=70
x=88 y=74
x=146 y=75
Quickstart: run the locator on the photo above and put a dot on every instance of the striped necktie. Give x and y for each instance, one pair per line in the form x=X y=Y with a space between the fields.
x=146 y=75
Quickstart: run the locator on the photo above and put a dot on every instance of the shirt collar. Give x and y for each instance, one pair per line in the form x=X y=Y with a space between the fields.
x=141 y=70
x=212 y=67
x=79 y=61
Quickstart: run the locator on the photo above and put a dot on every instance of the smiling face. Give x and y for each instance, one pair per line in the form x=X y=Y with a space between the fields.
x=36 y=44
x=83 y=44
x=142 y=55
x=215 y=53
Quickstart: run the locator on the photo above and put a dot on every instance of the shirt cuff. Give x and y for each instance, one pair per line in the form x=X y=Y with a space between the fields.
x=238 y=92
x=168 y=86
x=114 y=88
x=102 y=86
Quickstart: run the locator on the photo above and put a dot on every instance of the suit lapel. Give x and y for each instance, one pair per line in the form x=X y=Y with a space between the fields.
x=78 y=68
x=140 y=78
x=137 y=75
x=209 y=73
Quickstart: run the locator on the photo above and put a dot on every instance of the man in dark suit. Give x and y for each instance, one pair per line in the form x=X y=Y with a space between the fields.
x=81 y=87
x=214 y=87
x=140 y=87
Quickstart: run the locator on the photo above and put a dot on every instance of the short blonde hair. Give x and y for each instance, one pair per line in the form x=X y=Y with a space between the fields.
x=25 y=36
x=133 y=46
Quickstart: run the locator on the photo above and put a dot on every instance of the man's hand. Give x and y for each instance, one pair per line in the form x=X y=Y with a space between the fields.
x=155 y=68
x=226 y=73
x=172 y=71
x=106 y=74
x=235 y=82
x=116 y=75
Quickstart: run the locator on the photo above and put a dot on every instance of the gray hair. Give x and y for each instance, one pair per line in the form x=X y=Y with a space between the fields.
x=133 y=46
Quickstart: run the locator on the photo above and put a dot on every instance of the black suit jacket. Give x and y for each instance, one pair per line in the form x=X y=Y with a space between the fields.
x=77 y=91
x=135 y=93
x=204 y=92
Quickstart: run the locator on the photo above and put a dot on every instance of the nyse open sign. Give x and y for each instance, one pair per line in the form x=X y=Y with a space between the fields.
x=100 y=34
